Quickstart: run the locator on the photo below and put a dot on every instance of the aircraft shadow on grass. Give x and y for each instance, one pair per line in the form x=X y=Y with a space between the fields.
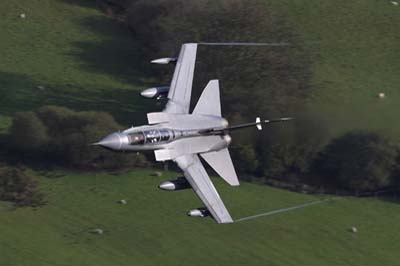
x=117 y=53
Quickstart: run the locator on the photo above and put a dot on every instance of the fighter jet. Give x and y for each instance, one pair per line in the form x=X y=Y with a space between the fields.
x=177 y=135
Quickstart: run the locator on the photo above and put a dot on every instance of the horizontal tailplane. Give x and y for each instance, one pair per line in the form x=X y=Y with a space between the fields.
x=221 y=162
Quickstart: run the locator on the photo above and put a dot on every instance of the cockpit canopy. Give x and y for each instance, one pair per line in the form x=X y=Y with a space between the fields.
x=136 y=138
x=150 y=136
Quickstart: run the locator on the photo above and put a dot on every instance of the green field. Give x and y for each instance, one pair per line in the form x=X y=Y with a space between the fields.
x=153 y=229
x=67 y=52
x=356 y=55
x=83 y=59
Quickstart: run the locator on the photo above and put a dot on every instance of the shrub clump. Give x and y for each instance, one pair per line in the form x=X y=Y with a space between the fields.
x=60 y=135
x=19 y=187
x=357 y=161
x=28 y=132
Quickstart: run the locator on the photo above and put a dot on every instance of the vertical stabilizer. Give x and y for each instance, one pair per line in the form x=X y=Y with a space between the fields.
x=209 y=102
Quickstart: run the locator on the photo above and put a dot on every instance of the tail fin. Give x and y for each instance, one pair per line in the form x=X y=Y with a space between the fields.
x=221 y=162
x=209 y=102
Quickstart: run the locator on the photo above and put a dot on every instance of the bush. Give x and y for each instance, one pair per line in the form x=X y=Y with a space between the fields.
x=357 y=161
x=244 y=158
x=65 y=138
x=288 y=149
x=396 y=172
x=28 y=132
x=19 y=187
x=57 y=119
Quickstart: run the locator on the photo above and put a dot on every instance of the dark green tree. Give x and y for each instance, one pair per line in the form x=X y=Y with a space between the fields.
x=245 y=158
x=27 y=132
x=396 y=172
x=288 y=149
x=357 y=161
x=59 y=135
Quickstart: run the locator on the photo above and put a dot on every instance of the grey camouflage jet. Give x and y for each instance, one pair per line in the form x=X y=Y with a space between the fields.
x=176 y=135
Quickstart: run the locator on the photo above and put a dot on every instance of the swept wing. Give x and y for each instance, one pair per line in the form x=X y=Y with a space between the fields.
x=198 y=178
x=181 y=85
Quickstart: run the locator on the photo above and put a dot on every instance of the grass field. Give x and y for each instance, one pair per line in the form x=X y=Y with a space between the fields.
x=83 y=59
x=356 y=55
x=153 y=229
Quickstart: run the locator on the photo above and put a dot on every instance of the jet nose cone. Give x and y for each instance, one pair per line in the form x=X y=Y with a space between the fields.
x=112 y=141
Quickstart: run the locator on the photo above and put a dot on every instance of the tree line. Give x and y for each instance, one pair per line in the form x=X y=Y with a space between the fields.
x=60 y=136
x=57 y=136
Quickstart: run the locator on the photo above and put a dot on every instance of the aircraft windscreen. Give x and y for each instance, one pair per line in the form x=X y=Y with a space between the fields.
x=136 y=138
x=150 y=136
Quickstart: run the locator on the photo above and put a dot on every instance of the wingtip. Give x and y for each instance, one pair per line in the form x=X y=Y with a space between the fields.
x=235 y=184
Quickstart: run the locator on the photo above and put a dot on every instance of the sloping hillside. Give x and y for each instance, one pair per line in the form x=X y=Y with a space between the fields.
x=355 y=45
x=153 y=229
x=67 y=54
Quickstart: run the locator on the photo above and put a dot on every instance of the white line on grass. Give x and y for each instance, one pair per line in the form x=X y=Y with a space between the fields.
x=283 y=210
